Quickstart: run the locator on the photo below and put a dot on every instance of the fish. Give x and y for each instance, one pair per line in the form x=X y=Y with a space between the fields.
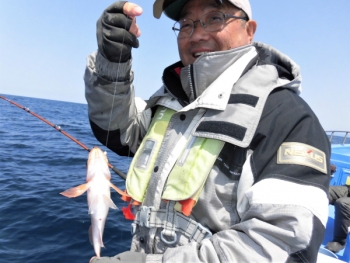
x=99 y=200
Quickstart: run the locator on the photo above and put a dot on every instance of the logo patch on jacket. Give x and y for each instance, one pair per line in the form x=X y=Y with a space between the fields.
x=302 y=154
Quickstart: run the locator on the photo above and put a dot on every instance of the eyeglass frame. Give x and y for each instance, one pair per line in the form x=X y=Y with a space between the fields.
x=226 y=16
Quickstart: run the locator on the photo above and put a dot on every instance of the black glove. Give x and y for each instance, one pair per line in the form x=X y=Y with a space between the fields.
x=125 y=257
x=113 y=37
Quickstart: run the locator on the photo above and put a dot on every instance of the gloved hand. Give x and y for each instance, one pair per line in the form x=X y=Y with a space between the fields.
x=114 y=39
x=125 y=257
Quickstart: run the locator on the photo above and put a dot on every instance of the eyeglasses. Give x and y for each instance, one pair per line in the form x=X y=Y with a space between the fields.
x=210 y=22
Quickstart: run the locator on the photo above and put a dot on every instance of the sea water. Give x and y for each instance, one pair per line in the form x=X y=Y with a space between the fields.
x=37 y=162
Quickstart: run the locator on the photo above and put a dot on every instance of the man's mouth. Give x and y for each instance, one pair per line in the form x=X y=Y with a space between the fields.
x=197 y=54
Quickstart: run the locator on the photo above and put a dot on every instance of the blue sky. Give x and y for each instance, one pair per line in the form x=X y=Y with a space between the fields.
x=45 y=43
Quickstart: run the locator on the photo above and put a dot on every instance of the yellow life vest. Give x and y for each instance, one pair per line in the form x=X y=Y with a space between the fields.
x=188 y=176
x=142 y=165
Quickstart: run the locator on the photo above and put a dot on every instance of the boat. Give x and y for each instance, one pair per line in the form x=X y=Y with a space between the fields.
x=340 y=157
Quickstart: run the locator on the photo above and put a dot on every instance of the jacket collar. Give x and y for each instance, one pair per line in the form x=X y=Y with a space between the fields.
x=209 y=81
x=196 y=82
x=213 y=75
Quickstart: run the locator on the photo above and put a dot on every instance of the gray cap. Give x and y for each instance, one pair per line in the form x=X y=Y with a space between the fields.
x=172 y=8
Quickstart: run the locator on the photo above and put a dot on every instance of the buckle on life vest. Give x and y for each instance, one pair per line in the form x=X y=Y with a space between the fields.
x=202 y=229
x=171 y=235
x=145 y=214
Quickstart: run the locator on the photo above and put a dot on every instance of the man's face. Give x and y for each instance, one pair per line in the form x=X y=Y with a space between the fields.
x=234 y=34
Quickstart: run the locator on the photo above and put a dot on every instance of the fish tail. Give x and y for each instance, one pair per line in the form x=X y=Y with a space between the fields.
x=97 y=246
x=90 y=236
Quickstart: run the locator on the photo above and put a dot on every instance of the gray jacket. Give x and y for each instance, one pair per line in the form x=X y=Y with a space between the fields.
x=254 y=206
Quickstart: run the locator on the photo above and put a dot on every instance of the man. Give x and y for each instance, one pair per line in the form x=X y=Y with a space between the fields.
x=339 y=196
x=230 y=164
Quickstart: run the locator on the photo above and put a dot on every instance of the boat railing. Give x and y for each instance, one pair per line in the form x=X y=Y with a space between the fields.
x=340 y=134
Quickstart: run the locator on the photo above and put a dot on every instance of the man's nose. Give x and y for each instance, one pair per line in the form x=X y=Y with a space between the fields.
x=198 y=29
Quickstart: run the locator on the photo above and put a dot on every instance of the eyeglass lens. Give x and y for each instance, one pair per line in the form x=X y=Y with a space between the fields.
x=210 y=22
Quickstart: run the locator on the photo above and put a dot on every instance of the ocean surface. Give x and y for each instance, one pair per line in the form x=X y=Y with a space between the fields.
x=37 y=162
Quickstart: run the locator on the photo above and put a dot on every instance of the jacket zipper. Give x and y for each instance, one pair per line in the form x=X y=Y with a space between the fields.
x=190 y=76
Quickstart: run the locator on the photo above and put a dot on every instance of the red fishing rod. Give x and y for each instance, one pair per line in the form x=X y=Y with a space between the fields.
x=58 y=128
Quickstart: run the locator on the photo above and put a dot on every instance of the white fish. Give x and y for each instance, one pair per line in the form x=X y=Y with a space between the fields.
x=98 y=195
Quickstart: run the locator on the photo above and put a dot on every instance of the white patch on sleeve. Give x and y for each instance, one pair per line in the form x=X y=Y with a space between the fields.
x=245 y=183
x=277 y=191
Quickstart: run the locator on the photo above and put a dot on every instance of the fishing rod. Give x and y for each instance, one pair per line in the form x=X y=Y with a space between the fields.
x=58 y=128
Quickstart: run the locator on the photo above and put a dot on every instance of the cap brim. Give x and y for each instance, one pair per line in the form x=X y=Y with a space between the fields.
x=158 y=8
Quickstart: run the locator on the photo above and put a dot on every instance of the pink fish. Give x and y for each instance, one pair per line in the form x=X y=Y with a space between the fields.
x=98 y=195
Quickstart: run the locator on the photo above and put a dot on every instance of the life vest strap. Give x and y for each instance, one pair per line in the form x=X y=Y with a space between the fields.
x=150 y=217
x=169 y=225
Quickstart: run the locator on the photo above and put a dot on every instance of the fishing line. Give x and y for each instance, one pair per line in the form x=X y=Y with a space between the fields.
x=58 y=128
x=115 y=88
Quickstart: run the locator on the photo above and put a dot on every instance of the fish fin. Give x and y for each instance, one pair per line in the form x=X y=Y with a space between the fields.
x=93 y=205
x=76 y=191
x=109 y=201
x=122 y=193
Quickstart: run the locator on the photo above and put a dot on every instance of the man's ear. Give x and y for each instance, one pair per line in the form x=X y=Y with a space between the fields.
x=251 y=26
